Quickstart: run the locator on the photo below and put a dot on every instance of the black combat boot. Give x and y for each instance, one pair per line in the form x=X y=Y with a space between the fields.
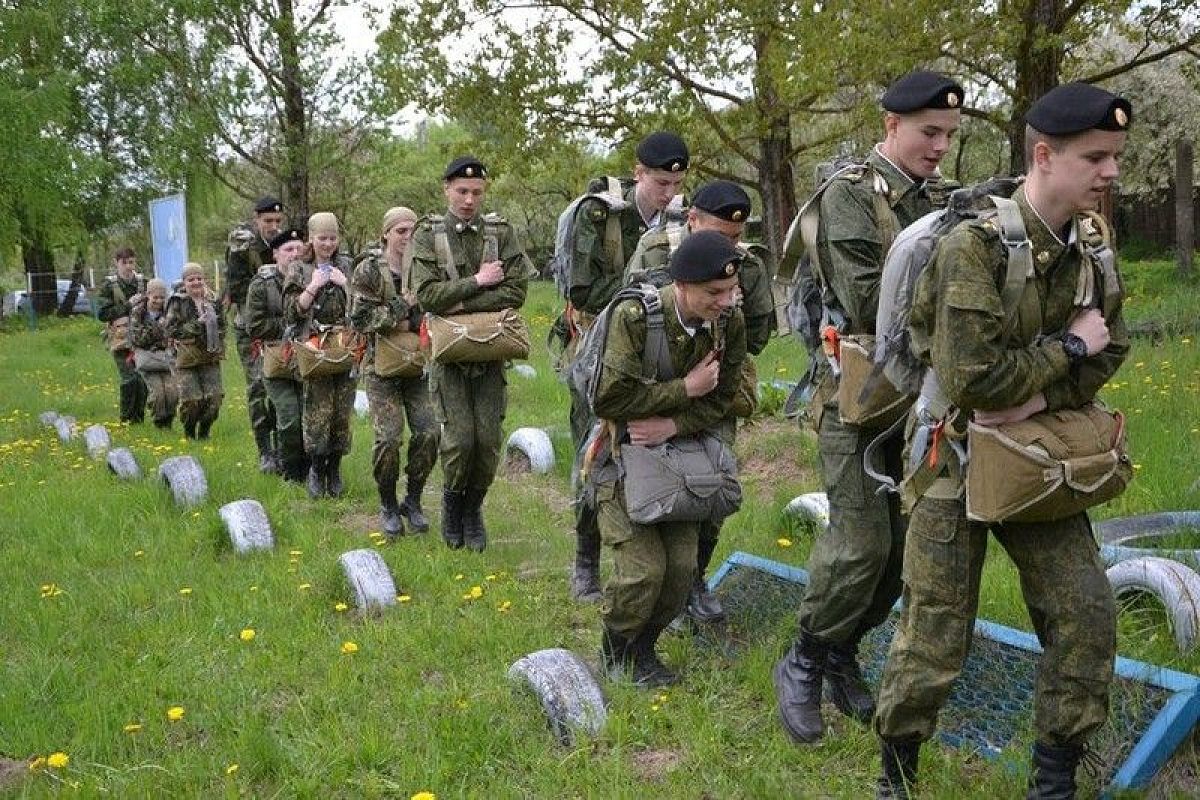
x=452 y=518
x=614 y=654
x=295 y=470
x=899 y=773
x=316 y=477
x=203 y=427
x=189 y=427
x=1053 y=776
x=844 y=683
x=411 y=507
x=648 y=669
x=474 y=532
x=333 y=476
x=798 y=677
x=585 y=580
x=702 y=605
x=268 y=462
x=389 y=511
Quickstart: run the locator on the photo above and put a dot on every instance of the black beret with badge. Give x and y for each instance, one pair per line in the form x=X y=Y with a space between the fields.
x=663 y=150
x=705 y=256
x=922 y=89
x=465 y=167
x=267 y=205
x=287 y=235
x=723 y=199
x=1078 y=107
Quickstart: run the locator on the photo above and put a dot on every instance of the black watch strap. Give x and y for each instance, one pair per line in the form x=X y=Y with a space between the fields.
x=1074 y=347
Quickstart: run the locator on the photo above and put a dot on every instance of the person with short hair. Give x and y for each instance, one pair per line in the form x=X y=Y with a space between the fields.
x=151 y=347
x=1058 y=353
x=198 y=337
x=113 y=306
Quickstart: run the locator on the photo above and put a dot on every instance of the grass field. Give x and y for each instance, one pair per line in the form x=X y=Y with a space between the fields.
x=117 y=608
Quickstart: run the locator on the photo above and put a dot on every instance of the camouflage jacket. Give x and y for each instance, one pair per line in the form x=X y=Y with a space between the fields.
x=263 y=314
x=374 y=306
x=594 y=281
x=245 y=254
x=146 y=331
x=622 y=394
x=849 y=244
x=440 y=292
x=649 y=264
x=958 y=312
x=112 y=299
x=332 y=303
x=183 y=319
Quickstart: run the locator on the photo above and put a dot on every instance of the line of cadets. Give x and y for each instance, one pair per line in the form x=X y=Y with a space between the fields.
x=1075 y=135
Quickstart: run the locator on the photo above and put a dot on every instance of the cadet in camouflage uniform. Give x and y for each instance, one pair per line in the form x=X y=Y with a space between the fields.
x=854 y=567
x=382 y=303
x=654 y=565
x=266 y=326
x=723 y=207
x=1074 y=136
x=469 y=399
x=148 y=332
x=662 y=163
x=192 y=317
x=248 y=250
x=113 y=307
x=315 y=296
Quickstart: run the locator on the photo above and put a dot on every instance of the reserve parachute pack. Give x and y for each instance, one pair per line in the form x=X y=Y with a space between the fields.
x=585 y=370
x=612 y=195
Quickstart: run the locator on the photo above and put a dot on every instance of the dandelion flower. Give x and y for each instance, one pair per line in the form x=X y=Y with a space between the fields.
x=232 y=768
x=458 y=577
x=304 y=586
x=349 y=648
x=505 y=607
x=476 y=592
x=58 y=760
x=295 y=552
x=783 y=542
x=186 y=590
x=139 y=553
x=424 y=796
x=247 y=634
x=340 y=607
x=175 y=713
x=37 y=763
x=403 y=598
x=132 y=727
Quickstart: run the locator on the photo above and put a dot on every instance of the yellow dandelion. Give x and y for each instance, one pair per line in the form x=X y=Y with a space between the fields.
x=254 y=588
x=304 y=586
x=139 y=553
x=295 y=552
x=783 y=541
x=175 y=713
x=458 y=577
x=195 y=514
x=132 y=727
x=37 y=763
x=490 y=577
x=349 y=648
x=58 y=760
x=186 y=590
x=505 y=607
x=247 y=634
x=654 y=707
x=232 y=768
x=403 y=598
x=340 y=607
x=424 y=796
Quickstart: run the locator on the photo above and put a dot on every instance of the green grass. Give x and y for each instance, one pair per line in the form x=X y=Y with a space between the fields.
x=423 y=705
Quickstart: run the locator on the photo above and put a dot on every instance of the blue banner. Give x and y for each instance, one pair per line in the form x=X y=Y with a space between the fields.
x=168 y=237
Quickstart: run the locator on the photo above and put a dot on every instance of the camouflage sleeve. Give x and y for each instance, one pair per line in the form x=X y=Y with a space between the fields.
x=593 y=281
x=758 y=305
x=292 y=288
x=648 y=264
x=182 y=320
x=510 y=292
x=436 y=291
x=851 y=254
x=259 y=321
x=141 y=331
x=621 y=393
x=238 y=274
x=969 y=351
x=1082 y=382
x=705 y=412
x=370 y=311
x=108 y=308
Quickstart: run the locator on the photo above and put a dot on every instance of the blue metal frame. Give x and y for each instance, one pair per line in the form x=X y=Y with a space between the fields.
x=1170 y=727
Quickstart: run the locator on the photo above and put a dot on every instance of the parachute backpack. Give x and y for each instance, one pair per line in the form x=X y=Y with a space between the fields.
x=563 y=263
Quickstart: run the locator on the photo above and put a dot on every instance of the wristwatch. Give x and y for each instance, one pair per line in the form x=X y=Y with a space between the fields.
x=1074 y=347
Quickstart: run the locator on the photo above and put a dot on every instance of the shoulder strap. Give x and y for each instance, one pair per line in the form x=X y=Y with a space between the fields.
x=676 y=232
x=388 y=289
x=491 y=238
x=1103 y=259
x=441 y=248
x=1020 y=257
x=885 y=218
x=656 y=357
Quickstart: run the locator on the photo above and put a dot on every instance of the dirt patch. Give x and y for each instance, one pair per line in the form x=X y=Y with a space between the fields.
x=12 y=772
x=515 y=463
x=775 y=450
x=653 y=765
x=360 y=522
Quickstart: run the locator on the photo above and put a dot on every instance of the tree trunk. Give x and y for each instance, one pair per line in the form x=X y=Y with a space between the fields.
x=776 y=179
x=38 y=259
x=1038 y=64
x=68 y=302
x=295 y=112
x=1185 y=192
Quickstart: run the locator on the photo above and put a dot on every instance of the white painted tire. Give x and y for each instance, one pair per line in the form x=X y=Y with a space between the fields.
x=813 y=507
x=535 y=444
x=48 y=418
x=525 y=371
x=362 y=406
x=369 y=579
x=1177 y=587
x=248 y=526
x=568 y=691
x=1120 y=538
x=122 y=464
x=65 y=426
x=185 y=478
x=97 y=440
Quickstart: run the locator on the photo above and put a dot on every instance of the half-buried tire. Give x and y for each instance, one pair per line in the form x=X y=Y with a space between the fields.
x=65 y=426
x=369 y=579
x=1175 y=586
x=568 y=691
x=185 y=479
x=122 y=464
x=1125 y=538
x=812 y=508
x=533 y=444
x=97 y=440
x=248 y=526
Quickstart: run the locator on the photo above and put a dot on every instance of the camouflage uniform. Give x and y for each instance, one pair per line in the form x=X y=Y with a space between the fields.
x=328 y=403
x=654 y=565
x=380 y=308
x=147 y=331
x=957 y=310
x=264 y=323
x=200 y=389
x=113 y=304
x=245 y=255
x=469 y=399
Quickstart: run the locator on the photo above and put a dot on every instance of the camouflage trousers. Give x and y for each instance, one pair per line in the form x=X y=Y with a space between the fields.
x=587 y=528
x=200 y=393
x=855 y=565
x=653 y=566
x=1066 y=592
x=262 y=414
x=163 y=396
x=328 y=405
x=470 y=401
x=132 y=388
x=393 y=399
x=287 y=399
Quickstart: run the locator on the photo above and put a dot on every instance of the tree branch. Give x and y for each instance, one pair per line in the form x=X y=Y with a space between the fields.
x=1143 y=61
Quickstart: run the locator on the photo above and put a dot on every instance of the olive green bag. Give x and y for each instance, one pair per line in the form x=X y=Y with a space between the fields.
x=327 y=354
x=1047 y=467
x=278 y=360
x=685 y=479
x=882 y=406
x=481 y=336
x=398 y=354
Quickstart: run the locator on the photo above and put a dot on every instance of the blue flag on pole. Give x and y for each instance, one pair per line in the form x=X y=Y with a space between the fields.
x=168 y=237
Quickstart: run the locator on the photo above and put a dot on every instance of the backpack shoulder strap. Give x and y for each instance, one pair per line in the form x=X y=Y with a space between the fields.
x=441 y=247
x=656 y=357
x=885 y=218
x=614 y=242
x=1096 y=239
x=1019 y=268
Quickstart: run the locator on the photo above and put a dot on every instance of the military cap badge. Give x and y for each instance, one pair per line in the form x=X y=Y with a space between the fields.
x=1121 y=117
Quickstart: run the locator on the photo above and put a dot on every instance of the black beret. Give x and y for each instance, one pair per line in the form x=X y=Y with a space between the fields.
x=705 y=256
x=922 y=89
x=287 y=235
x=663 y=150
x=723 y=199
x=268 y=204
x=465 y=167
x=1078 y=107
